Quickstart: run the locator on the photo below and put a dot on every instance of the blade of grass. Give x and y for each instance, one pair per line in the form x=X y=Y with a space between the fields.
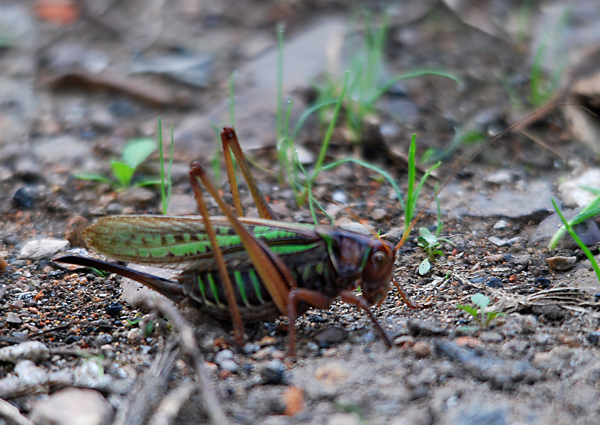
x=384 y=89
x=576 y=238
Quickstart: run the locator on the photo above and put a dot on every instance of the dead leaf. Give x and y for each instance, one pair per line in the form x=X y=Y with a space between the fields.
x=294 y=400
x=62 y=12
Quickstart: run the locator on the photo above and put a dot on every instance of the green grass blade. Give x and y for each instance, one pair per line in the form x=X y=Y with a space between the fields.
x=93 y=177
x=384 y=89
x=411 y=200
x=590 y=210
x=576 y=238
x=329 y=133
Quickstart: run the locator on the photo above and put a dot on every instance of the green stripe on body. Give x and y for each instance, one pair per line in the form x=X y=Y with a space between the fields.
x=237 y=275
x=213 y=288
x=256 y=285
x=202 y=288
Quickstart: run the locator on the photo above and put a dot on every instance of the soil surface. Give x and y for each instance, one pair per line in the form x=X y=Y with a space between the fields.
x=80 y=82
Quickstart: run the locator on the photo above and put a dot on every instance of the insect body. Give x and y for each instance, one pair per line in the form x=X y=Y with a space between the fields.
x=245 y=269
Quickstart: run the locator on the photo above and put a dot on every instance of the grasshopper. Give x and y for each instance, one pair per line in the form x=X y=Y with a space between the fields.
x=245 y=269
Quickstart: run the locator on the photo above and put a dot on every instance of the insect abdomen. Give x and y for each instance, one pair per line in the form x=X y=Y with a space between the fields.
x=253 y=299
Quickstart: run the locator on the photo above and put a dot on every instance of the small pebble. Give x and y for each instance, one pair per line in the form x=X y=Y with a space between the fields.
x=229 y=365
x=501 y=225
x=422 y=349
x=223 y=355
x=43 y=248
x=561 y=264
x=343 y=419
x=490 y=336
x=379 y=214
x=340 y=196
x=73 y=406
x=250 y=348
x=273 y=372
x=24 y=197
x=405 y=341
x=134 y=336
x=13 y=318
x=103 y=339
x=569 y=340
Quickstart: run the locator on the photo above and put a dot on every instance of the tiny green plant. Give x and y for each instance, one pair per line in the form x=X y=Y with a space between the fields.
x=569 y=228
x=135 y=152
x=479 y=310
x=431 y=243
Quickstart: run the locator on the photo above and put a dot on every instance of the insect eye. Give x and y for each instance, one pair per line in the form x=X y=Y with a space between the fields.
x=380 y=257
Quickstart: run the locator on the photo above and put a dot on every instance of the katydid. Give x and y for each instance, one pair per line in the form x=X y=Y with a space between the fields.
x=245 y=269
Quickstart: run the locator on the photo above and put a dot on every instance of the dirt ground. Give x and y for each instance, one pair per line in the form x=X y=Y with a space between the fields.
x=80 y=80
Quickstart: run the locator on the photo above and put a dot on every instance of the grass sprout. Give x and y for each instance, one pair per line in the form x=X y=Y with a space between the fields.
x=135 y=152
x=479 y=310
x=431 y=243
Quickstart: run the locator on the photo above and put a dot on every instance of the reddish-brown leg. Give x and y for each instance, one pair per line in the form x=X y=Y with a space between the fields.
x=314 y=299
x=231 y=144
x=274 y=274
x=360 y=302
x=408 y=302
x=236 y=317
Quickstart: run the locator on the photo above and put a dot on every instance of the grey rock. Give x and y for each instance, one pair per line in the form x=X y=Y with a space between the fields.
x=29 y=374
x=182 y=205
x=343 y=419
x=588 y=232
x=503 y=242
x=43 y=248
x=531 y=201
x=560 y=263
x=572 y=193
x=66 y=150
x=223 y=355
x=13 y=318
x=274 y=372
x=31 y=350
x=500 y=177
x=139 y=196
x=229 y=365
x=72 y=406
x=421 y=328
x=487 y=367
x=501 y=225
x=480 y=413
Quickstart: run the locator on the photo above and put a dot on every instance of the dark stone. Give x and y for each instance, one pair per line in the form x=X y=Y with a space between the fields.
x=24 y=197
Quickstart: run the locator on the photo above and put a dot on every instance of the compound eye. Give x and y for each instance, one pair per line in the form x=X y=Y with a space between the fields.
x=380 y=257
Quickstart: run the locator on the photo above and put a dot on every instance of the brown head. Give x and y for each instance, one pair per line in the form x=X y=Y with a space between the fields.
x=377 y=272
